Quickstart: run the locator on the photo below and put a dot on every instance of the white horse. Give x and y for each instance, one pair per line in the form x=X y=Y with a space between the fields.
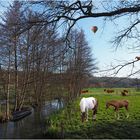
x=88 y=103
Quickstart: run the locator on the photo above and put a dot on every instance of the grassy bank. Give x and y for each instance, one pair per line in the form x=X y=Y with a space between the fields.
x=67 y=122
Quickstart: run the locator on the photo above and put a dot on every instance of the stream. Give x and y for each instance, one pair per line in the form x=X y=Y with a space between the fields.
x=32 y=125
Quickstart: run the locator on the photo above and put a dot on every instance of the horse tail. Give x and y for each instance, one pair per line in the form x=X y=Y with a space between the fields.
x=96 y=106
x=96 y=103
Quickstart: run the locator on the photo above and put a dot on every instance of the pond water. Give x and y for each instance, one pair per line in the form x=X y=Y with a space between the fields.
x=32 y=125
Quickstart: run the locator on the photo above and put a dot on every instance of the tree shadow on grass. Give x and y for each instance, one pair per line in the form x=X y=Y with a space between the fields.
x=107 y=130
x=111 y=130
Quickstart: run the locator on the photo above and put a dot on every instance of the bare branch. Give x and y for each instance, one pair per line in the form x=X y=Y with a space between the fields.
x=116 y=69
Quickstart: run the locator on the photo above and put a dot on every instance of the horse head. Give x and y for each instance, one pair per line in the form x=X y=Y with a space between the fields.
x=107 y=105
x=83 y=116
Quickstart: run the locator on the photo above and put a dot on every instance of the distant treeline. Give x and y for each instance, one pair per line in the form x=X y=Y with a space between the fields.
x=113 y=82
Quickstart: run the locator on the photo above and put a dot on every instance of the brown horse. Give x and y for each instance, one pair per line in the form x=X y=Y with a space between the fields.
x=118 y=104
x=109 y=90
x=125 y=90
x=123 y=93
x=84 y=91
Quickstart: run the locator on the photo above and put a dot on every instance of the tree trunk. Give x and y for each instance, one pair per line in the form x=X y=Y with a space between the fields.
x=8 y=88
x=7 y=98
x=16 y=77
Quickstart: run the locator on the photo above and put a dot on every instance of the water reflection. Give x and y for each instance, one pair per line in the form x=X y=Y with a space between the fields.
x=32 y=124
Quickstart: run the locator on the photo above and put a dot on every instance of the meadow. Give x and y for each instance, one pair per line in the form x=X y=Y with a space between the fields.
x=66 y=123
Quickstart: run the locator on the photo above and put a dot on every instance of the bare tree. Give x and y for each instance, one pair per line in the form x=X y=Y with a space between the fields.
x=81 y=64
x=10 y=42
x=66 y=14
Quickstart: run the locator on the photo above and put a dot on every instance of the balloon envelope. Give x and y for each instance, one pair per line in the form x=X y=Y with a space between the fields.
x=94 y=29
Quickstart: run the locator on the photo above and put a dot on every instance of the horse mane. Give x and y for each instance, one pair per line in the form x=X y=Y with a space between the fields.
x=111 y=101
x=125 y=101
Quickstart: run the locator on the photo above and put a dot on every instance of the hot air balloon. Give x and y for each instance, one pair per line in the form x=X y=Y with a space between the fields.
x=94 y=29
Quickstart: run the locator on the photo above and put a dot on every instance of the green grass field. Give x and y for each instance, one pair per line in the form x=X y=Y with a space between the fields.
x=67 y=122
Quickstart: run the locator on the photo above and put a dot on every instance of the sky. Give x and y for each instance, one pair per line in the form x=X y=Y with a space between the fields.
x=101 y=47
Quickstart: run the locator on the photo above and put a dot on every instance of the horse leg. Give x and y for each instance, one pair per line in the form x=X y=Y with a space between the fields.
x=94 y=114
x=95 y=110
x=126 y=107
x=87 y=115
x=127 y=116
x=117 y=114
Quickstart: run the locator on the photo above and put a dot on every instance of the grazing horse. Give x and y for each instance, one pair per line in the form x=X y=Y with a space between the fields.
x=88 y=103
x=84 y=91
x=109 y=90
x=125 y=90
x=124 y=93
x=118 y=104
